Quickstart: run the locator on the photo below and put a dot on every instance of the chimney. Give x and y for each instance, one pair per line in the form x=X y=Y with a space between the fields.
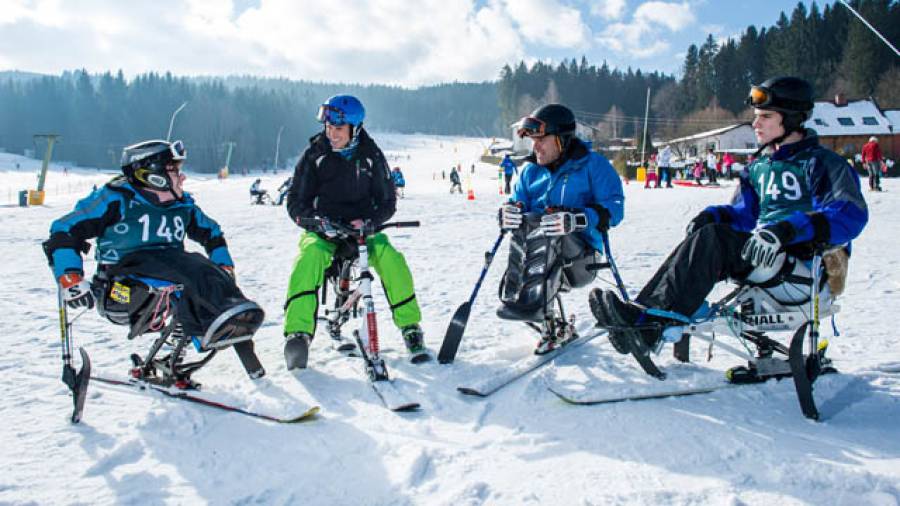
x=839 y=99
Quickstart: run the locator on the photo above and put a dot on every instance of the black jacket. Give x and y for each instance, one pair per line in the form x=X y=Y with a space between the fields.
x=329 y=186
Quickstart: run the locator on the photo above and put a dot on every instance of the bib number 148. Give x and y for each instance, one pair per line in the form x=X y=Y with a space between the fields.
x=163 y=230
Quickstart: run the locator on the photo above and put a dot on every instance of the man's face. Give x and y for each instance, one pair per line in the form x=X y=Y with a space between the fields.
x=546 y=149
x=767 y=125
x=176 y=178
x=339 y=136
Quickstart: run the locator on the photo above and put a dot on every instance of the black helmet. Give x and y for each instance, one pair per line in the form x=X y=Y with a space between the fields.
x=791 y=96
x=144 y=163
x=551 y=119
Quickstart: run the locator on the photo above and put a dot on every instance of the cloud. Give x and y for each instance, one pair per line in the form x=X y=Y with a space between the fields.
x=384 y=41
x=673 y=16
x=608 y=9
x=549 y=23
x=644 y=35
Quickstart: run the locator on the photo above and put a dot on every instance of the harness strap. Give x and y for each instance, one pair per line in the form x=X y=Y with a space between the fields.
x=294 y=297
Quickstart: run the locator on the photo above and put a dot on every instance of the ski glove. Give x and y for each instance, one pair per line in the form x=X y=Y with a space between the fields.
x=229 y=269
x=76 y=291
x=510 y=216
x=563 y=223
x=762 y=248
x=699 y=221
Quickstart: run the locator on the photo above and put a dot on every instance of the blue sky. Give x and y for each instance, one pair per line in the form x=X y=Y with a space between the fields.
x=381 y=41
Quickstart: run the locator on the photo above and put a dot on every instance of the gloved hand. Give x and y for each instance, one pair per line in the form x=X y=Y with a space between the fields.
x=76 y=291
x=762 y=248
x=563 y=223
x=702 y=219
x=511 y=216
x=229 y=269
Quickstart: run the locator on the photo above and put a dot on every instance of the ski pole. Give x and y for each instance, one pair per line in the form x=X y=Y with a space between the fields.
x=460 y=318
x=76 y=381
x=612 y=265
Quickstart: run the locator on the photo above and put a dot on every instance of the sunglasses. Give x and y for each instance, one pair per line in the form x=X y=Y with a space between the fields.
x=532 y=127
x=331 y=115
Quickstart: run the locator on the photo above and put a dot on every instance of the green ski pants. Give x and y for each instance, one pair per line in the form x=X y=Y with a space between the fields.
x=309 y=272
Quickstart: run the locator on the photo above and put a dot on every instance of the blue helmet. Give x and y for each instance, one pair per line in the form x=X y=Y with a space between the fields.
x=342 y=110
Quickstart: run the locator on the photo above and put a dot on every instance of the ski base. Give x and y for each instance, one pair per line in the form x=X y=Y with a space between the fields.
x=308 y=415
x=586 y=399
x=490 y=384
x=80 y=387
x=802 y=381
x=392 y=397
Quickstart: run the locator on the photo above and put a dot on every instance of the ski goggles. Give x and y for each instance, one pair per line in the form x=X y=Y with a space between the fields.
x=331 y=115
x=760 y=96
x=178 y=150
x=531 y=127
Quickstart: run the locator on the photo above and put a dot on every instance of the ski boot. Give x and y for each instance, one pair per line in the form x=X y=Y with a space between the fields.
x=296 y=350
x=414 y=339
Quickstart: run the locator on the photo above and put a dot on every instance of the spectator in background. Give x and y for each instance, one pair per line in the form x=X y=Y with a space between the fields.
x=455 y=183
x=711 y=161
x=664 y=164
x=872 y=159
x=509 y=168
x=727 y=162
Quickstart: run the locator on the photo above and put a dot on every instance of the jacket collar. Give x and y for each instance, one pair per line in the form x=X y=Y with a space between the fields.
x=575 y=150
x=785 y=151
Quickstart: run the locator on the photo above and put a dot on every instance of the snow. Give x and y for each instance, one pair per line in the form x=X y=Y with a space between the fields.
x=824 y=119
x=747 y=445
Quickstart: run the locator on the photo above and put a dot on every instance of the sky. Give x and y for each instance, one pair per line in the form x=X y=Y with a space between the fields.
x=394 y=42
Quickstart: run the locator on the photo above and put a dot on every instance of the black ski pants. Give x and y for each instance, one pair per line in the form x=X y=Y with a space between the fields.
x=709 y=255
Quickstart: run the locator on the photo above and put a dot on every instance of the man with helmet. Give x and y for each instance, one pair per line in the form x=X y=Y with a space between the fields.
x=797 y=197
x=139 y=221
x=564 y=193
x=344 y=177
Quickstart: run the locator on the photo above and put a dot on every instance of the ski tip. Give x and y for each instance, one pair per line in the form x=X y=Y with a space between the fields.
x=406 y=408
x=470 y=391
x=308 y=416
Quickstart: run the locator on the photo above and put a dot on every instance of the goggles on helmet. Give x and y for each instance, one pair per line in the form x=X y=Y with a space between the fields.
x=760 y=96
x=331 y=115
x=532 y=127
x=178 y=151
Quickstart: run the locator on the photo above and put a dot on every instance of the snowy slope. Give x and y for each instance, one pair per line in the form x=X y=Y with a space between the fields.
x=748 y=445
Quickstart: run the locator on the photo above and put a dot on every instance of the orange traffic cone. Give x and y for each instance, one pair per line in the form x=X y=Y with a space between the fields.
x=471 y=195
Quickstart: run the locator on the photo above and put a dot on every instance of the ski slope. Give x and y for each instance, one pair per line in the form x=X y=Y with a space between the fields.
x=747 y=445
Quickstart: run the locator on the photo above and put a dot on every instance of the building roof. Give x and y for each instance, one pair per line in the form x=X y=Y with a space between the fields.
x=893 y=116
x=857 y=117
x=708 y=133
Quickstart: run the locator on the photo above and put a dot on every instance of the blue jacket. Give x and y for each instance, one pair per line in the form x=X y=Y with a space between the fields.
x=397 y=176
x=509 y=166
x=833 y=210
x=123 y=221
x=585 y=180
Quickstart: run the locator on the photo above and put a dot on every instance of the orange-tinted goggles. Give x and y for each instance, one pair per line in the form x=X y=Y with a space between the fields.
x=759 y=97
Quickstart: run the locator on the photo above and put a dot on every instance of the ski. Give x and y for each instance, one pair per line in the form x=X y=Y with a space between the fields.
x=586 y=399
x=802 y=381
x=392 y=398
x=79 y=390
x=138 y=385
x=490 y=384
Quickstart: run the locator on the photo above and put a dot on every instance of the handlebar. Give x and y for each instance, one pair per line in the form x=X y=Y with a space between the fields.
x=347 y=230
